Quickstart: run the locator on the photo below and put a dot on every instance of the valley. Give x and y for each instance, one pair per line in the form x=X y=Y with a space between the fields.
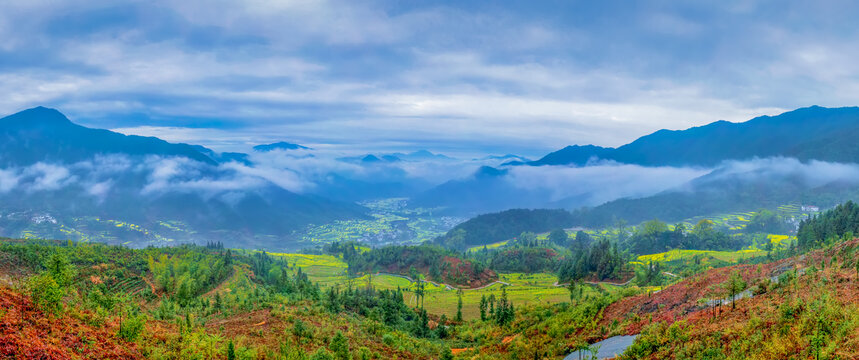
x=429 y=180
x=220 y=301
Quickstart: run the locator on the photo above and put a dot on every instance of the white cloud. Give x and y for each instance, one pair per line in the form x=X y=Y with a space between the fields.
x=8 y=180
x=602 y=182
x=374 y=73
x=48 y=176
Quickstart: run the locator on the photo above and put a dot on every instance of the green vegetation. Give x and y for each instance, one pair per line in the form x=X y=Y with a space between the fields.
x=837 y=224
x=601 y=260
x=427 y=301
x=492 y=228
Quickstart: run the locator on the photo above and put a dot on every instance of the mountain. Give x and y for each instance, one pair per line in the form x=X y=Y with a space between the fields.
x=808 y=133
x=46 y=135
x=416 y=156
x=64 y=181
x=718 y=193
x=370 y=159
x=503 y=157
x=494 y=227
x=488 y=189
x=223 y=157
x=421 y=155
x=279 y=146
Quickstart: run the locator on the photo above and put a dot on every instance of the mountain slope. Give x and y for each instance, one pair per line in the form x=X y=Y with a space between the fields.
x=807 y=133
x=486 y=190
x=46 y=135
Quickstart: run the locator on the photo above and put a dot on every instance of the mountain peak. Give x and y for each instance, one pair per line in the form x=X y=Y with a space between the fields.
x=37 y=116
x=282 y=145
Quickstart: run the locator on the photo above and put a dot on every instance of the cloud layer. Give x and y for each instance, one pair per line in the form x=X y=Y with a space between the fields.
x=311 y=172
x=514 y=76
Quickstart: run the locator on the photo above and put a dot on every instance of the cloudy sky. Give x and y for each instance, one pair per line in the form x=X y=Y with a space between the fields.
x=460 y=77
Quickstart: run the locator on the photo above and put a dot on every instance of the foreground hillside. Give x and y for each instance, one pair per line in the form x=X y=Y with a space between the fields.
x=65 y=300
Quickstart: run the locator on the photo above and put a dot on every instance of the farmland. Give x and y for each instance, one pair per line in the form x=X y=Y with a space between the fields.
x=524 y=289
x=727 y=256
x=392 y=222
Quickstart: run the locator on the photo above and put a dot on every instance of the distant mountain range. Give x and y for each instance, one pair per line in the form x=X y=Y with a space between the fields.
x=420 y=155
x=62 y=180
x=826 y=134
x=812 y=133
x=279 y=146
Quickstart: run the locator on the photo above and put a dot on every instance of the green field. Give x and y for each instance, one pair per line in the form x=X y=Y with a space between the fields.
x=489 y=246
x=524 y=289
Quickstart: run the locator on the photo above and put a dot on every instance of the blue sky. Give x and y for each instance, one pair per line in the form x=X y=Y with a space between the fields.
x=459 y=77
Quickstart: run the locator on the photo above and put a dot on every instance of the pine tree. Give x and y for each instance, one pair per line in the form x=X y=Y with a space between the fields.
x=231 y=351
x=340 y=346
x=483 y=302
x=504 y=313
x=491 y=305
x=459 y=307
x=734 y=286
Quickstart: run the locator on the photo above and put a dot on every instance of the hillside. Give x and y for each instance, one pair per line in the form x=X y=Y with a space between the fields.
x=210 y=302
x=807 y=133
x=494 y=227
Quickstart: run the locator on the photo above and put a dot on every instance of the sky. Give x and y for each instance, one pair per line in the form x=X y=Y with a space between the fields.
x=456 y=77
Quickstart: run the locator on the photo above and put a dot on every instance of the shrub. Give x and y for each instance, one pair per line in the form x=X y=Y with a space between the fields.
x=46 y=293
x=131 y=327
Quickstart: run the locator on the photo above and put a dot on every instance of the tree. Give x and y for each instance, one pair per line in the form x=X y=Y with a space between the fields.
x=734 y=286
x=441 y=329
x=46 y=293
x=576 y=290
x=228 y=258
x=491 y=305
x=582 y=240
x=459 y=306
x=504 y=312
x=484 y=303
x=231 y=351
x=340 y=347
x=300 y=330
x=60 y=269
x=446 y=354
x=419 y=292
x=558 y=237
